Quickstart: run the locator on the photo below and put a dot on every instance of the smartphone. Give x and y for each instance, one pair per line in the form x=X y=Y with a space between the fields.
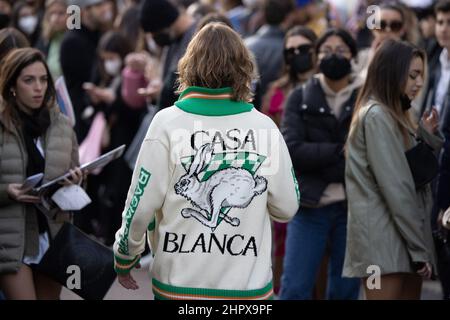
x=32 y=181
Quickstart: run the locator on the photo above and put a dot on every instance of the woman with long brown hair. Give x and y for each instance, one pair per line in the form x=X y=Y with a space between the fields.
x=389 y=214
x=34 y=138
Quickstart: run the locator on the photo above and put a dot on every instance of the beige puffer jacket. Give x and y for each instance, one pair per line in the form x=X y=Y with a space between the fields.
x=18 y=223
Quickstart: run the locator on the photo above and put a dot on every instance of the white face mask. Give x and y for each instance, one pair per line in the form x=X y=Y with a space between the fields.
x=28 y=24
x=108 y=16
x=151 y=45
x=251 y=4
x=112 y=67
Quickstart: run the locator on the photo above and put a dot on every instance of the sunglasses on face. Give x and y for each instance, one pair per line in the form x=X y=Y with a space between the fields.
x=394 y=26
x=302 y=49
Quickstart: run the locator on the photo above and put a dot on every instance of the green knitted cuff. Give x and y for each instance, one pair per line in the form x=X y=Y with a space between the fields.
x=124 y=266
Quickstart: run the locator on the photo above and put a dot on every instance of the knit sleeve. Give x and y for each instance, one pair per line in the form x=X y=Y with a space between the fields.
x=146 y=195
x=283 y=190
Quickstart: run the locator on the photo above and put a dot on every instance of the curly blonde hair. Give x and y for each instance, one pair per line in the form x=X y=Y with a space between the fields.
x=216 y=58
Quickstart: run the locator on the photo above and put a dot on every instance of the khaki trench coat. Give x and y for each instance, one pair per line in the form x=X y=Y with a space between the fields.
x=388 y=219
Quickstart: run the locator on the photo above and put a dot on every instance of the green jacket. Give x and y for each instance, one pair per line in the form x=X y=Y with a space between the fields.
x=388 y=219
x=18 y=222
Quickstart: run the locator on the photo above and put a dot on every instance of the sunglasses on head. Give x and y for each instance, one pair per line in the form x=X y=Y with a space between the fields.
x=302 y=49
x=394 y=26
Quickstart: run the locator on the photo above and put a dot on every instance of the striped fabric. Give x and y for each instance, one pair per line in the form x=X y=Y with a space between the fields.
x=211 y=102
x=198 y=95
x=164 y=291
x=123 y=266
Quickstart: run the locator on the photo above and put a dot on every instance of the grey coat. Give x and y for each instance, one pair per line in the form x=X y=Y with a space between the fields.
x=388 y=219
x=267 y=46
x=18 y=222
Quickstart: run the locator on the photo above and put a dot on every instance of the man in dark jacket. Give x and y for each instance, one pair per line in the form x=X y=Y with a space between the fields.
x=438 y=96
x=441 y=204
x=172 y=30
x=443 y=190
x=268 y=43
x=427 y=24
x=78 y=59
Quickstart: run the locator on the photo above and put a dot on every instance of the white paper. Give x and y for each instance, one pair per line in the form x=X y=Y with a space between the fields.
x=32 y=181
x=71 y=197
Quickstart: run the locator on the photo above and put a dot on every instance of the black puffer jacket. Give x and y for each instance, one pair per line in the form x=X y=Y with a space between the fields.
x=316 y=138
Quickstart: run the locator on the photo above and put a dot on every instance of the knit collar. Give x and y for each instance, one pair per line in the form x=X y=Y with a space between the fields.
x=211 y=102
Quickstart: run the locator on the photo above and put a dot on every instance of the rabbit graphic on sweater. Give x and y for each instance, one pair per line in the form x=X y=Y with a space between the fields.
x=230 y=187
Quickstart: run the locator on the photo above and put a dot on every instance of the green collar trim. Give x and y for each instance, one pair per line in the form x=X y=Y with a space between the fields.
x=211 y=102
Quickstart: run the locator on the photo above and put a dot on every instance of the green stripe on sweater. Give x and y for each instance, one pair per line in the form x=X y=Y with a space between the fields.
x=207 y=107
x=297 y=190
x=214 y=293
x=124 y=266
x=144 y=177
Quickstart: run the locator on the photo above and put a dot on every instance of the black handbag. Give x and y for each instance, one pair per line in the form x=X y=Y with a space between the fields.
x=72 y=250
x=442 y=244
x=423 y=163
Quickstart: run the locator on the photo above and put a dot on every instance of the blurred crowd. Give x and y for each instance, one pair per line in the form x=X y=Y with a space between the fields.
x=120 y=68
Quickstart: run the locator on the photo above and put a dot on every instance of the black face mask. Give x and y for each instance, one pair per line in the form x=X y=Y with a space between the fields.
x=335 y=67
x=405 y=102
x=299 y=59
x=301 y=63
x=4 y=20
x=163 y=39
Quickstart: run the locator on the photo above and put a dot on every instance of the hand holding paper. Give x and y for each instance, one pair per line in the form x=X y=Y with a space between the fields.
x=71 y=197
x=18 y=193
x=77 y=176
